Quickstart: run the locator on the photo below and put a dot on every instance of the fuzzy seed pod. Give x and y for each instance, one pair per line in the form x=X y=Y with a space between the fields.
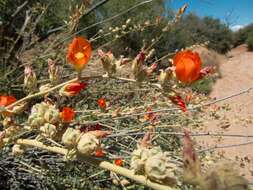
x=88 y=144
x=40 y=108
x=71 y=137
x=159 y=168
x=52 y=115
x=139 y=157
x=48 y=130
x=154 y=164
x=35 y=120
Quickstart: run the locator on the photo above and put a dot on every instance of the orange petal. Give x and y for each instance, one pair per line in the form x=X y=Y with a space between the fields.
x=67 y=114
x=118 y=162
x=99 y=153
x=102 y=103
x=7 y=100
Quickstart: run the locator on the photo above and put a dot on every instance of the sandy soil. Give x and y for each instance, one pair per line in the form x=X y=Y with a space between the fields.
x=236 y=115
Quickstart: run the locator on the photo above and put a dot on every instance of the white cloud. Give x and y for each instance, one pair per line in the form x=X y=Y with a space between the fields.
x=236 y=27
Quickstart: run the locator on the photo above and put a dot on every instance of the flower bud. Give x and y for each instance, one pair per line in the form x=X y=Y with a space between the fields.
x=53 y=72
x=108 y=61
x=88 y=144
x=128 y=21
x=164 y=77
x=30 y=80
x=71 y=137
x=72 y=89
x=150 y=54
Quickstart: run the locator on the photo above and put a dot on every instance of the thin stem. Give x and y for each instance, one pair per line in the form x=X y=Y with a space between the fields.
x=103 y=164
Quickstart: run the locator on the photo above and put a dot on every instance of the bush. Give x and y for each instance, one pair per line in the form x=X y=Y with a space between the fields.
x=249 y=41
x=241 y=36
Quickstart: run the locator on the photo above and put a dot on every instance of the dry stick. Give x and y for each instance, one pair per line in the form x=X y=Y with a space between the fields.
x=19 y=8
x=22 y=30
x=174 y=109
x=40 y=93
x=118 y=134
x=226 y=146
x=103 y=164
x=67 y=82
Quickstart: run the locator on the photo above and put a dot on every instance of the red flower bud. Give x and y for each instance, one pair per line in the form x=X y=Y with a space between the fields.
x=72 y=89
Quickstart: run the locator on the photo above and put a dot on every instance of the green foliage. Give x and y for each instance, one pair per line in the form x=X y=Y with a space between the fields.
x=242 y=35
x=194 y=29
x=249 y=41
x=203 y=86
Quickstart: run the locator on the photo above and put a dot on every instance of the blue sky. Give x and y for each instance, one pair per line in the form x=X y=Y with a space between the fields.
x=239 y=12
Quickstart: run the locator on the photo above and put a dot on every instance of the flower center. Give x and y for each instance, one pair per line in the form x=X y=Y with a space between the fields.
x=79 y=55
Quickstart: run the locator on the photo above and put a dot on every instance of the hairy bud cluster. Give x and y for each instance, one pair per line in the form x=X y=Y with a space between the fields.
x=154 y=164
x=42 y=114
x=86 y=144
x=48 y=130
x=71 y=137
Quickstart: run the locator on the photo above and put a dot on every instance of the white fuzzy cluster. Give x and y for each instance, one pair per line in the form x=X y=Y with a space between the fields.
x=44 y=117
x=86 y=143
x=154 y=164
x=43 y=113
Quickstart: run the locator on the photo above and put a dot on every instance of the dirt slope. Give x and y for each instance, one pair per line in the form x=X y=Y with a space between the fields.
x=237 y=118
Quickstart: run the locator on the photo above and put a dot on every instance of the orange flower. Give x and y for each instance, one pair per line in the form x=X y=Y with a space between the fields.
x=67 y=114
x=102 y=103
x=99 y=153
x=7 y=100
x=188 y=65
x=118 y=162
x=79 y=53
x=72 y=89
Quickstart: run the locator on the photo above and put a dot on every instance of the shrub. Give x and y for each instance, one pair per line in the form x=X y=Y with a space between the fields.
x=241 y=36
x=249 y=41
